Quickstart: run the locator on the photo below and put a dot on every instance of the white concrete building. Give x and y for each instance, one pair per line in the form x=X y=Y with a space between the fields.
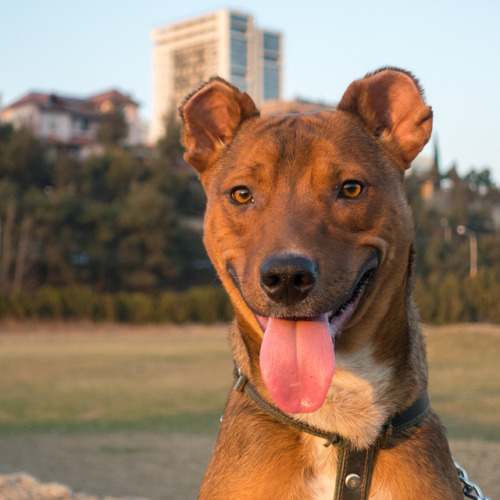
x=224 y=43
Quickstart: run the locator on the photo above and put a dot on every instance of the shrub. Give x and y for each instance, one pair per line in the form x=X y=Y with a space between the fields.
x=141 y=308
x=134 y=307
x=172 y=308
x=48 y=303
x=19 y=306
x=4 y=306
x=203 y=305
x=104 y=307
x=199 y=304
x=78 y=302
x=121 y=307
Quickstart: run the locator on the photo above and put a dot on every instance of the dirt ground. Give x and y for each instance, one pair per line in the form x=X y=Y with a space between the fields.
x=121 y=465
x=161 y=466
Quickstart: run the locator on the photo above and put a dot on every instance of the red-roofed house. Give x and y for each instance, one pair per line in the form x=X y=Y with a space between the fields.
x=72 y=121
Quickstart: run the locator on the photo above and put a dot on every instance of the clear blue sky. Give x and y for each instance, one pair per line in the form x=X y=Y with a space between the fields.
x=452 y=46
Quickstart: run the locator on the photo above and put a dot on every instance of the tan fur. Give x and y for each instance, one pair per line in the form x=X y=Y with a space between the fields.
x=355 y=406
x=294 y=167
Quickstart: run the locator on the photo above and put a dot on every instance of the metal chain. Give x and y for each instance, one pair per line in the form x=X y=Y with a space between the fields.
x=471 y=490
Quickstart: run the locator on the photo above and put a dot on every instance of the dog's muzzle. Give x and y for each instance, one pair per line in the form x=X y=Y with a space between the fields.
x=288 y=279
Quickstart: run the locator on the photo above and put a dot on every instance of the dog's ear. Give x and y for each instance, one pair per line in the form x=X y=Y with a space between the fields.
x=210 y=118
x=390 y=103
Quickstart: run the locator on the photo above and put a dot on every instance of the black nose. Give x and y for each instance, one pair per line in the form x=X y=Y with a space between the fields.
x=288 y=279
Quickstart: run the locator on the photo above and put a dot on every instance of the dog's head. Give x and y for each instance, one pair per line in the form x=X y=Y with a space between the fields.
x=307 y=222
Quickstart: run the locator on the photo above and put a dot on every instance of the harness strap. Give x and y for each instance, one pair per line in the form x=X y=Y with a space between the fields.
x=354 y=473
x=354 y=467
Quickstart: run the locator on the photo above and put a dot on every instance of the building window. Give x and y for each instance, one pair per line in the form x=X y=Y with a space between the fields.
x=237 y=20
x=238 y=72
x=271 y=42
x=271 y=57
x=52 y=122
x=239 y=81
x=238 y=53
x=271 y=83
x=192 y=65
x=239 y=24
x=238 y=28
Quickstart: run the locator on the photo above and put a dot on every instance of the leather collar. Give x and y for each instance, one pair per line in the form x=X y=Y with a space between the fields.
x=354 y=467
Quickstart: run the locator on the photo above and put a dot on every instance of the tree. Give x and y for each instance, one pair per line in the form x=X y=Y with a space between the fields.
x=22 y=158
x=113 y=129
x=66 y=170
x=169 y=146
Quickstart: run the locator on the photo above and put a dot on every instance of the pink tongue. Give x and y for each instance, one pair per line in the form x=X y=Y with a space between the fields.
x=297 y=360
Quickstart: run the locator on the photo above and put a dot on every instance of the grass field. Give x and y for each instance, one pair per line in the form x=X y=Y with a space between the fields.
x=134 y=411
x=464 y=381
x=109 y=377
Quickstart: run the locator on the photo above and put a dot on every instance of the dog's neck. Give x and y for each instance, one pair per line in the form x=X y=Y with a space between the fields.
x=365 y=389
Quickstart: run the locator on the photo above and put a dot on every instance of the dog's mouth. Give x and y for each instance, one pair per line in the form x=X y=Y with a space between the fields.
x=339 y=317
x=297 y=357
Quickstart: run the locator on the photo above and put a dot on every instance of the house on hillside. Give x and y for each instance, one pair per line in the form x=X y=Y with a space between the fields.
x=73 y=122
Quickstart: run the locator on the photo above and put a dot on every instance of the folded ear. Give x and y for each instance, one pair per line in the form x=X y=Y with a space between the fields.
x=390 y=103
x=210 y=118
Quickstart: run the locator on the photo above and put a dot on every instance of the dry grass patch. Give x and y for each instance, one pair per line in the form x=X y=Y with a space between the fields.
x=111 y=375
x=464 y=382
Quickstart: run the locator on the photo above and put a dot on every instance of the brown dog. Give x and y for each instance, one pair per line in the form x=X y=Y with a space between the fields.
x=308 y=227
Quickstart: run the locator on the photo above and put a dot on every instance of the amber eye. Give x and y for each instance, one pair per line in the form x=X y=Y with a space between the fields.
x=351 y=189
x=241 y=195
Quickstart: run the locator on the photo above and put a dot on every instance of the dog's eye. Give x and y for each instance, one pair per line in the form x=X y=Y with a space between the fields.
x=242 y=195
x=351 y=189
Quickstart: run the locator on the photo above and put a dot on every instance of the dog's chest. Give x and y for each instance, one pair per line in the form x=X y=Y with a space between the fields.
x=321 y=484
x=355 y=407
x=352 y=410
x=322 y=488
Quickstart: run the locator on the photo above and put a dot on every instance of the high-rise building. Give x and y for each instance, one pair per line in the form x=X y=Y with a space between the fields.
x=224 y=43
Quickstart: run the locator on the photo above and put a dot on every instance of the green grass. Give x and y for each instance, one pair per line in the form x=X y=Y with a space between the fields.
x=175 y=379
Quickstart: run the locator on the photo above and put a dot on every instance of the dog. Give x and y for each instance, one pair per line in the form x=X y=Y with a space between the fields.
x=308 y=227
